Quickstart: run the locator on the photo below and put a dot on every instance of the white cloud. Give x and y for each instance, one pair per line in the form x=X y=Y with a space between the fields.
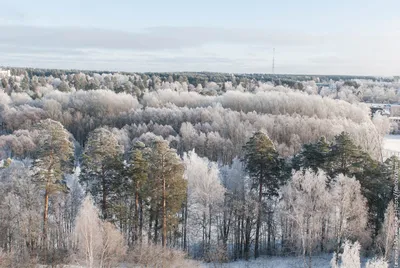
x=200 y=49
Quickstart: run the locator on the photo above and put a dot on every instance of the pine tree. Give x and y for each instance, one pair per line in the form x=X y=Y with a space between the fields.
x=313 y=155
x=345 y=157
x=52 y=159
x=168 y=184
x=265 y=168
x=138 y=173
x=350 y=160
x=101 y=167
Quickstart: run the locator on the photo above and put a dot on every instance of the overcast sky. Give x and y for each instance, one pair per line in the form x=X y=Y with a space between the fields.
x=358 y=37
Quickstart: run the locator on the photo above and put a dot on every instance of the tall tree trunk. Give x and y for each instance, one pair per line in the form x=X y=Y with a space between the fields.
x=204 y=232
x=185 y=226
x=156 y=229
x=136 y=217
x=140 y=220
x=209 y=228
x=226 y=227
x=237 y=239
x=242 y=238
x=339 y=236
x=150 y=226
x=45 y=219
x=104 y=197
x=322 y=236
x=269 y=233
x=45 y=213
x=46 y=203
x=258 y=225
x=247 y=238
x=164 y=210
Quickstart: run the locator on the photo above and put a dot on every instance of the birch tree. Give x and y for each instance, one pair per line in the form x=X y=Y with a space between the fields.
x=306 y=203
x=98 y=243
x=351 y=213
x=205 y=193
x=385 y=239
x=88 y=233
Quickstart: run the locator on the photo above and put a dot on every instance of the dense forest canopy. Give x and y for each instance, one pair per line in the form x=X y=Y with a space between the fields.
x=221 y=166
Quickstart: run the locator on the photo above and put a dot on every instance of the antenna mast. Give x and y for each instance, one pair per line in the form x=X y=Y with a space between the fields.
x=273 y=61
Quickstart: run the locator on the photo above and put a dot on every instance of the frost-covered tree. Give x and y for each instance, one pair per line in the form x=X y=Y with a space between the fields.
x=216 y=119
x=98 y=243
x=240 y=209
x=20 y=202
x=318 y=212
x=377 y=263
x=88 y=232
x=385 y=239
x=350 y=256
x=351 y=213
x=205 y=194
x=306 y=204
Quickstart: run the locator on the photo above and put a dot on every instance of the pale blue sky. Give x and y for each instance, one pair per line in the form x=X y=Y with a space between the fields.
x=310 y=37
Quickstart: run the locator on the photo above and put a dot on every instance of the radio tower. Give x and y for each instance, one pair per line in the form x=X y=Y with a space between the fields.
x=273 y=61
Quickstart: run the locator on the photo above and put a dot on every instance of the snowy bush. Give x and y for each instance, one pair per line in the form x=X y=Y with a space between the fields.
x=350 y=258
x=377 y=263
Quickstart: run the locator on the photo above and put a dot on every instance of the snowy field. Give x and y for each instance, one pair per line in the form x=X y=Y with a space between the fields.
x=392 y=143
x=322 y=261
x=276 y=262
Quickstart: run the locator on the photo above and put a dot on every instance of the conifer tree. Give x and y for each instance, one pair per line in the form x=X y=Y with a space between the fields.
x=168 y=184
x=102 y=166
x=345 y=157
x=313 y=156
x=138 y=173
x=265 y=167
x=53 y=158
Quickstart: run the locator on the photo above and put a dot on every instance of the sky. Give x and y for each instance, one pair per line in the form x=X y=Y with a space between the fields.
x=353 y=37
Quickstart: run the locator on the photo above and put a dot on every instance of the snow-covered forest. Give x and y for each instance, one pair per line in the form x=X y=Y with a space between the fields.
x=170 y=170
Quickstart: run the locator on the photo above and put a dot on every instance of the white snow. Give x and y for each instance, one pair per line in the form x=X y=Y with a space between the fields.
x=392 y=143
x=322 y=261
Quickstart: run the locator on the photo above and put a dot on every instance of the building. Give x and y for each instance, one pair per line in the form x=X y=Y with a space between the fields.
x=382 y=109
x=5 y=73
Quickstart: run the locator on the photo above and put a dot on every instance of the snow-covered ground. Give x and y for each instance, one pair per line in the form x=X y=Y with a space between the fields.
x=321 y=261
x=391 y=146
x=392 y=143
x=276 y=262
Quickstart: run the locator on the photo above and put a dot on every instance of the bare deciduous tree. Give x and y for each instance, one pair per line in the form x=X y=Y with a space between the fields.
x=98 y=244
